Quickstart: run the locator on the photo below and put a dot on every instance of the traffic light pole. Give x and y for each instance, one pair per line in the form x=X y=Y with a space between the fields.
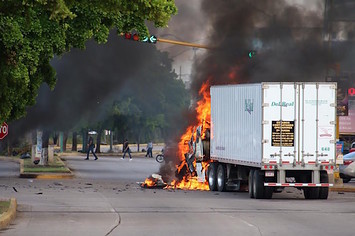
x=154 y=39
x=182 y=43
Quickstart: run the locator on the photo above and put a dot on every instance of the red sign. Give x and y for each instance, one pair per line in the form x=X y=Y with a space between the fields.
x=4 y=130
x=351 y=91
x=347 y=123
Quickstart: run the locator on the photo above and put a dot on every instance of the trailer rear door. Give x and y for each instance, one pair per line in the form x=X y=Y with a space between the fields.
x=280 y=109
x=318 y=117
x=299 y=122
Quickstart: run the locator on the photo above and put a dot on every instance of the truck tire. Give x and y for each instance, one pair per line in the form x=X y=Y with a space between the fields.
x=268 y=191
x=323 y=191
x=221 y=178
x=212 y=176
x=346 y=180
x=258 y=184
x=250 y=183
x=311 y=193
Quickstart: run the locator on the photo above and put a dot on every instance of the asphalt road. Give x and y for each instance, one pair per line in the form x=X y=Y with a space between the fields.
x=105 y=199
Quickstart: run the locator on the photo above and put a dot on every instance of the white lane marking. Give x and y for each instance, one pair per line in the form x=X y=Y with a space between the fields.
x=247 y=223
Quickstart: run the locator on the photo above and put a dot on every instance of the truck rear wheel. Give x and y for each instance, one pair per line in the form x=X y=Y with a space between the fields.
x=311 y=193
x=212 y=176
x=258 y=184
x=323 y=191
x=221 y=178
x=250 y=183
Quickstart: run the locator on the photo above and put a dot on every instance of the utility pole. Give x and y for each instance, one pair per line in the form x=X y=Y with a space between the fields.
x=180 y=73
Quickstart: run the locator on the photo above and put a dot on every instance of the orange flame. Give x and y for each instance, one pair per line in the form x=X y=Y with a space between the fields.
x=203 y=118
x=203 y=111
x=149 y=183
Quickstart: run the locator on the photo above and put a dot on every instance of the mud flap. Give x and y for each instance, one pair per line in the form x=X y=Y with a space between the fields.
x=200 y=173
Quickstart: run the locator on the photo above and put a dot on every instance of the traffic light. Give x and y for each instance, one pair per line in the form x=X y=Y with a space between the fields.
x=251 y=54
x=130 y=36
x=135 y=37
x=151 y=39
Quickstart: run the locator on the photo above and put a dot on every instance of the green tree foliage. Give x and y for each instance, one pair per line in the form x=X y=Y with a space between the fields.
x=33 y=31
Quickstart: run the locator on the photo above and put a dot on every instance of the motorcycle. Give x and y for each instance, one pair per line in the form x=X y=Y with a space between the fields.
x=160 y=157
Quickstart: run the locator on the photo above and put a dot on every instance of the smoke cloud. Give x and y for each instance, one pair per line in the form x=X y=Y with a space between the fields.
x=86 y=81
x=288 y=40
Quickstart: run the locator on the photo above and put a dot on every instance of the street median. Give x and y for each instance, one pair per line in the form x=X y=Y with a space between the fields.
x=8 y=216
x=342 y=188
x=56 y=169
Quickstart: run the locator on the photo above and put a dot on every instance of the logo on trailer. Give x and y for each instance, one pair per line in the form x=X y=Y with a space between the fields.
x=284 y=104
x=248 y=105
x=325 y=132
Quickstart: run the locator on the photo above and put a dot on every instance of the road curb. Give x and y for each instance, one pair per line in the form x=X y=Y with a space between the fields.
x=342 y=189
x=12 y=159
x=7 y=217
x=107 y=154
x=44 y=175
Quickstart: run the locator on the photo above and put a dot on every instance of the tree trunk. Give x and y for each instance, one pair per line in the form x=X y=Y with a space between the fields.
x=45 y=142
x=98 y=141
x=111 y=140
x=139 y=137
x=34 y=137
x=74 y=146
x=85 y=140
x=9 y=147
x=55 y=138
x=65 y=139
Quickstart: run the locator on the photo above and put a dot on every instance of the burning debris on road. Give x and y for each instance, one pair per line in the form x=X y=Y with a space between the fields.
x=193 y=151
x=154 y=181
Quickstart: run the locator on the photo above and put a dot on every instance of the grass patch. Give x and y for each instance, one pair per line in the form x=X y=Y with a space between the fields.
x=56 y=166
x=4 y=205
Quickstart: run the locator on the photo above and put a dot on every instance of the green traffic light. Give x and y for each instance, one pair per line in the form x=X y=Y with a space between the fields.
x=145 y=39
x=153 y=39
x=251 y=54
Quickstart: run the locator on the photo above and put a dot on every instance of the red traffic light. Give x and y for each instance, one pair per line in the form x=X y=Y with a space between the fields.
x=136 y=37
x=127 y=35
x=130 y=36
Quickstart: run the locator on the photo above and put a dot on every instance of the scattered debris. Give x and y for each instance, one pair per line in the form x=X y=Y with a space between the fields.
x=58 y=184
x=154 y=181
x=25 y=156
x=40 y=193
x=14 y=189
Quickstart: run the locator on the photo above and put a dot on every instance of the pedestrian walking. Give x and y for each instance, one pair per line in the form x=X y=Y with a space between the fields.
x=126 y=149
x=91 y=147
x=149 y=149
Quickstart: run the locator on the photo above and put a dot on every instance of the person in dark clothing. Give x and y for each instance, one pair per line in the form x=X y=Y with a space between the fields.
x=126 y=149
x=149 y=149
x=91 y=147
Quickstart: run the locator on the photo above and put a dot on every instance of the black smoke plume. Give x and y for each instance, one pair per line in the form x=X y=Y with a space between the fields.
x=289 y=42
x=86 y=80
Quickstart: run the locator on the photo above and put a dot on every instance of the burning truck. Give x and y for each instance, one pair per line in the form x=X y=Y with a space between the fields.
x=263 y=136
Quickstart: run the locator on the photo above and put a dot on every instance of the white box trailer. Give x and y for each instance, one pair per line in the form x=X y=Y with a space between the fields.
x=273 y=135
